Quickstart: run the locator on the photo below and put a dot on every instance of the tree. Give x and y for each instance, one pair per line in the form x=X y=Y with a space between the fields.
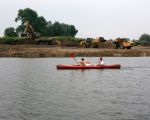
x=144 y=40
x=10 y=32
x=57 y=29
x=38 y=23
x=145 y=37
x=73 y=31
x=19 y=29
x=61 y=29
x=41 y=25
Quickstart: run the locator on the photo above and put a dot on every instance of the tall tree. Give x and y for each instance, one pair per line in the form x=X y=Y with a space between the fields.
x=26 y=15
x=38 y=23
x=56 y=29
x=73 y=31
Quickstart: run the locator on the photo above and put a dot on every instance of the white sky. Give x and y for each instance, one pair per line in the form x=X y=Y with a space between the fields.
x=93 y=18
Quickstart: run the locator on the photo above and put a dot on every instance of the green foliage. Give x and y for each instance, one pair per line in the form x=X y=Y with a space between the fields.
x=20 y=28
x=145 y=37
x=65 y=40
x=10 y=40
x=61 y=29
x=72 y=30
x=144 y=40
x=68 y=38
x=26 y=14
x=69 y=41
x=10 y=32
x=40 y=25
x=56 y=29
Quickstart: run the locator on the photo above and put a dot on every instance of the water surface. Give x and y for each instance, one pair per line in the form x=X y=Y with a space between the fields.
x=33 y=89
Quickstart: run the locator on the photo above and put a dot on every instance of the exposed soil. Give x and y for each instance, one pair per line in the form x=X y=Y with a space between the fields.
x=54 y=51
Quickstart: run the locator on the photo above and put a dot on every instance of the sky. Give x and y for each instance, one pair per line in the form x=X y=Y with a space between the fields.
x=92 y=18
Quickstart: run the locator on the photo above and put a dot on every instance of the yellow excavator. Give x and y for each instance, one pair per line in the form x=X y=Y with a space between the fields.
x=36 y=38
x=90 y=42
x=29 y=31
x=122 y=43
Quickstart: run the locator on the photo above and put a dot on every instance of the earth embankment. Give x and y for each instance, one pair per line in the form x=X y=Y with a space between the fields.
x=33 y=51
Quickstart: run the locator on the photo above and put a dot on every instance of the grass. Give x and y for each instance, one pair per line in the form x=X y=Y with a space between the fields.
x=11 y=40
x=66 y=40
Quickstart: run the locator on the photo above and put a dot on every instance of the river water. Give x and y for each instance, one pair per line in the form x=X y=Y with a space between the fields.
x=33 y=89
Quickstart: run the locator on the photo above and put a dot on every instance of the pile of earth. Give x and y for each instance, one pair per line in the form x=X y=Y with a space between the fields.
x=108 y=44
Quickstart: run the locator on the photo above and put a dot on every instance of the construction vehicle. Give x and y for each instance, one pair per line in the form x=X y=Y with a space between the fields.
x=85 y=42
x=29 y=31
x=47 y=41
x=35 y=37
x=90 y=42
x=122 y=43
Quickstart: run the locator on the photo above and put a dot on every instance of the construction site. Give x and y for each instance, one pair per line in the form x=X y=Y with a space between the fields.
x=29 y=36
x=31 y=44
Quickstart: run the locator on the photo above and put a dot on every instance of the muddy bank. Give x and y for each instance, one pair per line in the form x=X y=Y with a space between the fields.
x=34 y=51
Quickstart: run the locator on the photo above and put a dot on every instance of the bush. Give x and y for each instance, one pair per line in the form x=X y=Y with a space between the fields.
x=10 y=32
x=144 y=40
x=144 y=43
x=145 y=37
x=11 y=40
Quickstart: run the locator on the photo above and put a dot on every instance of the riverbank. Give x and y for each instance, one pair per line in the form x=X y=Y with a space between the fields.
x=34 y=51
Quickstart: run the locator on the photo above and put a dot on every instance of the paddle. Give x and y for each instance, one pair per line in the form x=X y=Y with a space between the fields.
x=72 y=56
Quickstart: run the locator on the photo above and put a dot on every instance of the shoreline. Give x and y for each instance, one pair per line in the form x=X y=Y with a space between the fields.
x=36 y=51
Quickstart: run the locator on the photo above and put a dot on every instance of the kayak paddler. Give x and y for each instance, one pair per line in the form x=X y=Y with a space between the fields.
x=84 y=63
x=100 y=61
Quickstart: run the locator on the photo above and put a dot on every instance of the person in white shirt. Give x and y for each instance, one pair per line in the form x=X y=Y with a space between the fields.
x=100 y=61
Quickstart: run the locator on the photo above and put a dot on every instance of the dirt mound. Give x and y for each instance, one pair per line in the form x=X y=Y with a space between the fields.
x=108 y=44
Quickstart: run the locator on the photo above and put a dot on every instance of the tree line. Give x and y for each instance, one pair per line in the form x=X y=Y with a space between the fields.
x=39 y=24
x=48 y=28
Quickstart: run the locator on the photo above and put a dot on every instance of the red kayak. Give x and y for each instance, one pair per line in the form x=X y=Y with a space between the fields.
x=113 y=66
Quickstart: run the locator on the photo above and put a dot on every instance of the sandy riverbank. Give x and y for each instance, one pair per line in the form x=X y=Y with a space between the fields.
x=30 y=51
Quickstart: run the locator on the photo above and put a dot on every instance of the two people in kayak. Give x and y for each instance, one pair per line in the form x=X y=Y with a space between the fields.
x=83 y=62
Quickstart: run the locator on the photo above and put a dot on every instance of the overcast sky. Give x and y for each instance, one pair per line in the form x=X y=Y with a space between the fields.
x=92 y=18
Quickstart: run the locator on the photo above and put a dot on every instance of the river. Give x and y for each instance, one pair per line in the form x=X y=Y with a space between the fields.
x=33 y=89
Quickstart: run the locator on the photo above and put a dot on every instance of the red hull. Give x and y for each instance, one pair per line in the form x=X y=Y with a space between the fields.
x=114 y=66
